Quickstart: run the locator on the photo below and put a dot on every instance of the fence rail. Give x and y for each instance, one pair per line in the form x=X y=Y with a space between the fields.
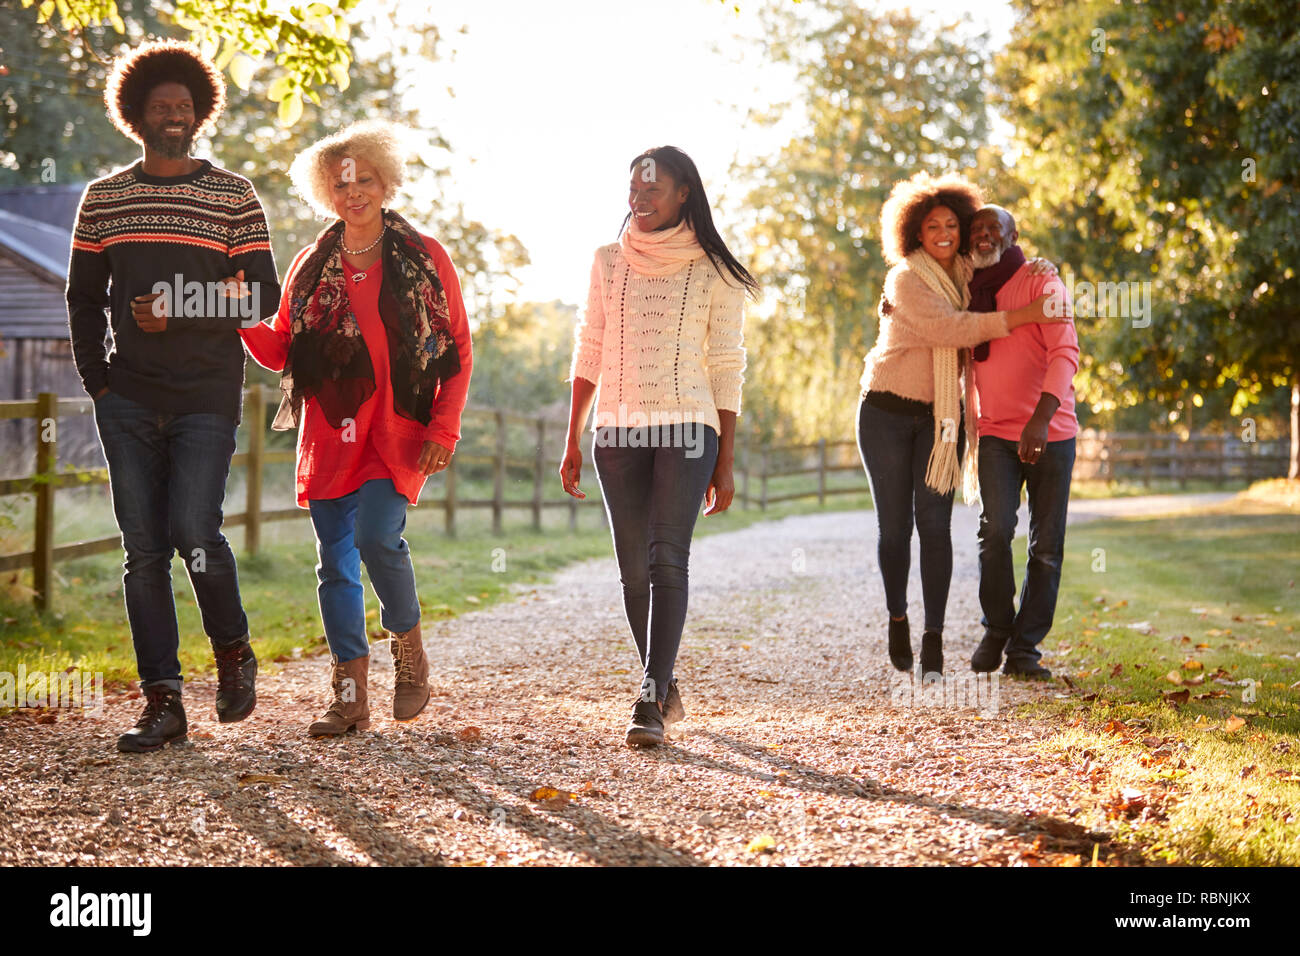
x=1109 y=457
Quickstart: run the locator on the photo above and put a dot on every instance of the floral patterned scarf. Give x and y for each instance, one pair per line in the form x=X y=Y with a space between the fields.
x=328 y=359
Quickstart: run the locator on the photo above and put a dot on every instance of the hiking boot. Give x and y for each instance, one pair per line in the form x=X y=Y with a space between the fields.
x=411 y=674
x=647 y=727
x=988 y=656
x=162 y=722
x=350 y=710
x=1028 y=669
x=673 y=709
x=236 y=680
x=931 y=653
x=900 y=644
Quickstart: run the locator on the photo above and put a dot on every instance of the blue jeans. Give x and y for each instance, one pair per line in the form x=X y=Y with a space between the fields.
x=652 y=496
x=167 y=474
x=367 y=526
x=1002 y=475
x=895 y=450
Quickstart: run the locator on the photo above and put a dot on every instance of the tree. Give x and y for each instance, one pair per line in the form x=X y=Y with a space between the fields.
x=308 y=43
x=1167 y=133
x=884 y=97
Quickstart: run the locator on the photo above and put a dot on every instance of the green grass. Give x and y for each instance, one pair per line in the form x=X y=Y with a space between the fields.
x=1217 y=592
x=1131 y=489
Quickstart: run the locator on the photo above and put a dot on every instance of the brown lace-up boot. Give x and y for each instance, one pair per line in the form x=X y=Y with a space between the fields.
x=350 y=709
x=411 y=674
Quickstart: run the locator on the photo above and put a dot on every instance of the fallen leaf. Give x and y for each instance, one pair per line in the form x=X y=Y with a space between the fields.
x=1233 y=723
x=1174 y=677
x=1247 y=771
x=1191 y=664
x=1177 y=696
x=469 y=734
x=761 y=844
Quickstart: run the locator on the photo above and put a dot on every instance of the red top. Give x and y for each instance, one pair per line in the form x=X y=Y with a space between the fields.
x=1035 y=358
x=333 y=462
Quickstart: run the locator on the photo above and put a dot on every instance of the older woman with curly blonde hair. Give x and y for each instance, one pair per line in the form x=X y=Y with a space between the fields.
x=910 y=429
x=374 y=346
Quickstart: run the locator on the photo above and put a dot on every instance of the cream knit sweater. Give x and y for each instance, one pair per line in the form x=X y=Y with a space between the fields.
x=662 y=349
x=900 y=362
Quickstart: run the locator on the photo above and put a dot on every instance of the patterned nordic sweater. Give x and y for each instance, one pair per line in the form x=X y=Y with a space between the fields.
x=664 y=347
x=134 y=230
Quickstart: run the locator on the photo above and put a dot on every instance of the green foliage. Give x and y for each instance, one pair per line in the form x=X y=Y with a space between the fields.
x=1159 y=143
x=521 y=357
x=884 y=96
x=308 y=44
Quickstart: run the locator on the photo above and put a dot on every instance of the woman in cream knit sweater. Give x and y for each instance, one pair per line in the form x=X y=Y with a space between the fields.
x=661 y=338
x=911 y=433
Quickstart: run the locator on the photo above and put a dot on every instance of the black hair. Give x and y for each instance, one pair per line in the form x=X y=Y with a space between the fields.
x=681 y=169
x=135 y=75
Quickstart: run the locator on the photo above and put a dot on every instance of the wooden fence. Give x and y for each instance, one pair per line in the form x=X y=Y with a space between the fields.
x=1109 y=457
x=49 y=410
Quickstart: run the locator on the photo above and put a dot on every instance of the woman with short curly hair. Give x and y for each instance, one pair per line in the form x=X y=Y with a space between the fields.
x=910 y=418
x=374 y=346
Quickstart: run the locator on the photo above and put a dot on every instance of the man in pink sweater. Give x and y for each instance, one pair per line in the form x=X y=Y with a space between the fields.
x=1024 y=385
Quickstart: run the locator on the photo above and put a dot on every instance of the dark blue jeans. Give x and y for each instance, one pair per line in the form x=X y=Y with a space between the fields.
x=895 y=450
x=653 y=494
x=167 y=474
x=1002 y=475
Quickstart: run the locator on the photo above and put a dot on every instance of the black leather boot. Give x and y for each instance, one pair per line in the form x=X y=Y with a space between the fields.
x=162 y=722
x=236 y=680
x=673 y=709
x=988 y=656
x=900 y=644
x=931 y=653
x=647 y=727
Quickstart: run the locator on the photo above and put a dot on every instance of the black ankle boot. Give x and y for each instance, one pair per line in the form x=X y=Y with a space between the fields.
x=647 y=727
x=931 y=653
x=988 y=656
x=900 y=644
x=673 y=709
x=162 y=722
x=236 y=681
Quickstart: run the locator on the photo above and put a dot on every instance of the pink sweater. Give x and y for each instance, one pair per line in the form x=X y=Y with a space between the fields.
x=1033 y=359
x=901 y=361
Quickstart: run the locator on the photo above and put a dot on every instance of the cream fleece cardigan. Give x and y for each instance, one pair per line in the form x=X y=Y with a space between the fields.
x=662 y=349
x=921 y=319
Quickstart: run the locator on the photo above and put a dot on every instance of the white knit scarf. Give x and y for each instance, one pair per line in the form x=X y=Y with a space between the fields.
x=944 y=470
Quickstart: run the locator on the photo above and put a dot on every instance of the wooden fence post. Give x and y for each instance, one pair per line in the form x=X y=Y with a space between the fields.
x=821 y=472
x=537 y=474
x=499 y=474
x=762 y=494
x=744 y=481
x=47 y=427
x=256 y=418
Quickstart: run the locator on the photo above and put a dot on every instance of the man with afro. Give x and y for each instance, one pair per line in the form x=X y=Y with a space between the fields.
x=173 y=254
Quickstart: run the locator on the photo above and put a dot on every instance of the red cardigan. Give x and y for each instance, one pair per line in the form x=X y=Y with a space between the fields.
x=329 y=466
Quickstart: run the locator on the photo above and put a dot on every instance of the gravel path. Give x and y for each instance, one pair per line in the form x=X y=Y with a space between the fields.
x=798 y=748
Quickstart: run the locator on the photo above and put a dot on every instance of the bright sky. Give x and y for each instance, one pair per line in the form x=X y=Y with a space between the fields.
x=553 y=100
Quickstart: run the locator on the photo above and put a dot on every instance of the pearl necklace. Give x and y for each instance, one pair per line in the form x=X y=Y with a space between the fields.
x=359 y=252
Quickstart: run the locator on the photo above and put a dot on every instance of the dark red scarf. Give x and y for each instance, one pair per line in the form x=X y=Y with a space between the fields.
x=328 y=359
x=984 y=286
